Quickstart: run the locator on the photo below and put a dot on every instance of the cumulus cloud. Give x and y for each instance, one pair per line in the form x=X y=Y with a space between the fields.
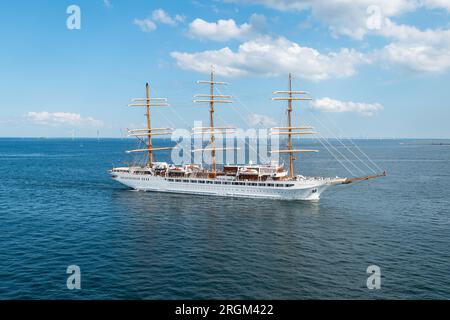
x=260 y=120
x=412 y=48
x=146 y=25
x=269 y=56
x=418 y=50
x=347 y=17
x=417 y=57
x=332 y=105
x=224 y=30
x=437 y=4
x=158 y=16
x=62 y=118
x=343 y=17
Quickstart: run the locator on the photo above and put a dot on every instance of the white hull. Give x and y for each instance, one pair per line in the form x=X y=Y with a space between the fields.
x=305 y=189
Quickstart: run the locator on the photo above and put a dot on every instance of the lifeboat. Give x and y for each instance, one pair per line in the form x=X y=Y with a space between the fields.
x=176 y=170
x=248 y=171
x=280 y=174
x=192 y=167
x=160 y=166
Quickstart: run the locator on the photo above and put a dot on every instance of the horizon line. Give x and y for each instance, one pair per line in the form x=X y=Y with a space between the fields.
x=161 y=138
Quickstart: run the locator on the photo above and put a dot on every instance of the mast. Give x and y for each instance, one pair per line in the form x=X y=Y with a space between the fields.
x=289 y=130
x=211 y=98
x=289 y=113
x=148 y=102
x=149 y=126
x=211 y=123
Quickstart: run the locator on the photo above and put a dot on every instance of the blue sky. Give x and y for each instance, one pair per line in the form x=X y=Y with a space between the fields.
x=375 y=68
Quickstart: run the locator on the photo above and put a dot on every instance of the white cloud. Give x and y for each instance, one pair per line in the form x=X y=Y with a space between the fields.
x=418 y=50
x=107 y=3
x=224 y=30
x=350 y=17
x=146 y=25
x=343 y=17
x=221 y=30
x=437 y=4
x=62 y=118
x=260 y=120
x=159 y=15
x=331 y=105
x=417 y=57
x=273 y=56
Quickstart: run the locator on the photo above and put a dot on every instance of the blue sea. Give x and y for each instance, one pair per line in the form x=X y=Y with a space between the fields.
x=58 y=207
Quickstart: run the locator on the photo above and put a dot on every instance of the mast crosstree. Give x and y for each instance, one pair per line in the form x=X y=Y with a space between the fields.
x=212 y=98
x=149 y=132
x=289 y=129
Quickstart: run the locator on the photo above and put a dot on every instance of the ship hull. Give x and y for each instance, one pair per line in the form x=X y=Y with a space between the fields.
x=284 y=190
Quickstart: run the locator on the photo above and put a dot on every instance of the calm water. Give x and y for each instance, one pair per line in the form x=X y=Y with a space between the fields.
x=58 y=207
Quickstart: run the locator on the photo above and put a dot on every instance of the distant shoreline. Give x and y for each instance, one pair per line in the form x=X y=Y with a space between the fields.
x=426 y=143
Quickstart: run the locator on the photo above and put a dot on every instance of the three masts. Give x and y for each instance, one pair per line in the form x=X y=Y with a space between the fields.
x=249 y=180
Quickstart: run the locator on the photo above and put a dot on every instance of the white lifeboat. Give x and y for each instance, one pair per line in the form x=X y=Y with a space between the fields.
x=280 y=174
x=192 y=167
x=160 y=166
x=248 y=171
x=176 y=169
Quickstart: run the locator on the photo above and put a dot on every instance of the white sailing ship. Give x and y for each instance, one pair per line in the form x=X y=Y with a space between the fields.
x=269 y=181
